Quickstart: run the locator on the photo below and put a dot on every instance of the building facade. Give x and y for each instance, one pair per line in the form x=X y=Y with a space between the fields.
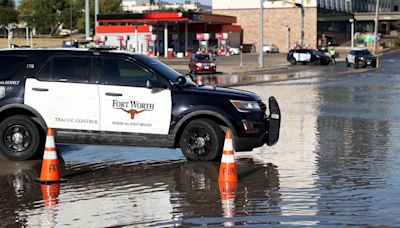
x=140 y=6
x=324 y=20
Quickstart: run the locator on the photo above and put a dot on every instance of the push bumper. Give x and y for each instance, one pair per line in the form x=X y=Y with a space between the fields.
x=270 y=134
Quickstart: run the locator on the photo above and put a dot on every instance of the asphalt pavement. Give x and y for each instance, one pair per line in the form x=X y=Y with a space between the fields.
x=335 y=165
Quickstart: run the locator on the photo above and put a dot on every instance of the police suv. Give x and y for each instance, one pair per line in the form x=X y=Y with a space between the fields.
x=96 y=96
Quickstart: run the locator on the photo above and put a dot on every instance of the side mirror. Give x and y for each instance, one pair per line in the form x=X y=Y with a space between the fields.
x=151 y=84
x=180 y=81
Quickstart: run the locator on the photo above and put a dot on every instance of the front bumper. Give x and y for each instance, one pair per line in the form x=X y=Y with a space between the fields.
x=269 y=134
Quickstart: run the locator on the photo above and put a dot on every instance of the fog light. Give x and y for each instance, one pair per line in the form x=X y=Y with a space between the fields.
x=245 y=125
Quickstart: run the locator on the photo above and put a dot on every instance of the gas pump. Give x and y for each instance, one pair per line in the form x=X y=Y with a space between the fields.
x=222 y=44
x=100 y=40
x=150 y=38
x=123 y=41
x=203 y=42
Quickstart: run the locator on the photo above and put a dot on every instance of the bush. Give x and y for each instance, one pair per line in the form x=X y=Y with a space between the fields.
x=398 y=41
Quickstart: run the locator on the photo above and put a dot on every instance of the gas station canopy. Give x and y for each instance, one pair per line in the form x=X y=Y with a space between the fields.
x=154 y=17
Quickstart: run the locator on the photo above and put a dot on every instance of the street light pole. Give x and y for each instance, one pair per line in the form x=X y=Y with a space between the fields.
x=87 y=19
x=261 y=55
x=302 y=23
x=351 y=20
x=376 y=27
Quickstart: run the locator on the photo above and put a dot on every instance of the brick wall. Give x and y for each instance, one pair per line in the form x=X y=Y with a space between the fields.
x=274 y=26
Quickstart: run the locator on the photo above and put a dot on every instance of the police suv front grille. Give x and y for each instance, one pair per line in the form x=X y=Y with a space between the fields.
x=262 y=106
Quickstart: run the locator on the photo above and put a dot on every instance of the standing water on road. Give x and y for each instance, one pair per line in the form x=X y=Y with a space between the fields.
x=336 y=164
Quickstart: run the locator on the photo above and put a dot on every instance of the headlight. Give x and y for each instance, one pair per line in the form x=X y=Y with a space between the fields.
x=362 y=58
x=198 y=64
x=212 y=64
x=246 y=106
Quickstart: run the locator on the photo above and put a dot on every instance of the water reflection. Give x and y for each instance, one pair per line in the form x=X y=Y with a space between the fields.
x=249 y=79
x=167 y=193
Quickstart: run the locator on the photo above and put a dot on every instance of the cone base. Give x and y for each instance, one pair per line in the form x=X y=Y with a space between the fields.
x=62 y=180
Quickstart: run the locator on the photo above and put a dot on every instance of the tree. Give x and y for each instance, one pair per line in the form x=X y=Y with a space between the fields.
x=8 y=13
x=43 y=14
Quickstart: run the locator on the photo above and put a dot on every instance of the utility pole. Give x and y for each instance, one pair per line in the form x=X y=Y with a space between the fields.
x=376 y=27
x=87 y=19
x=351 y=20
x=302 y=23
x=261 y=54
x=96 y=12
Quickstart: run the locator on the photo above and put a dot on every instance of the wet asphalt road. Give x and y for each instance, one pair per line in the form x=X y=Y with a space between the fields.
x=336 y=164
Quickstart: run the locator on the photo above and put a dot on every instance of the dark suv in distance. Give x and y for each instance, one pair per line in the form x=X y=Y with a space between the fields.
x=305 y=56
x=97 y=96
x=360 y=58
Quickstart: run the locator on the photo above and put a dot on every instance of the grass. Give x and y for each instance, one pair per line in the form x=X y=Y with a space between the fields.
x=39 y=42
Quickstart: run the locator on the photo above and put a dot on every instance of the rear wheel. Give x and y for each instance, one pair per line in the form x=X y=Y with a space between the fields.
x=202 y=140
x=20 y=138
x=347 y=63
x=293 y=61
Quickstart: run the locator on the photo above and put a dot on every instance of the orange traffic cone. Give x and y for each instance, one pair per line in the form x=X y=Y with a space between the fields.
x=50 y=166
x=227 y=170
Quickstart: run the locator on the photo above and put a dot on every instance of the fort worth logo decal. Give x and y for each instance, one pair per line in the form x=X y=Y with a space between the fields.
x=133 y=107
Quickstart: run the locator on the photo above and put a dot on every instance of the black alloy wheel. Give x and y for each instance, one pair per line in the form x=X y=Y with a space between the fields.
x=20 y=138
x=202 y=140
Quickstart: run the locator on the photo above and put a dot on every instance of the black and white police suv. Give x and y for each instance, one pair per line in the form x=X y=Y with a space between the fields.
x=360 y=58
x=109 y=97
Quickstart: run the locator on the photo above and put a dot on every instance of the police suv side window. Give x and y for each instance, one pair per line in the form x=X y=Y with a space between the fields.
x=119 y=71
x=67 y=69
x=11 y=65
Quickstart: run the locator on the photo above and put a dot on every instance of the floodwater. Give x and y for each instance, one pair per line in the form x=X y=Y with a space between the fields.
x=336 y=164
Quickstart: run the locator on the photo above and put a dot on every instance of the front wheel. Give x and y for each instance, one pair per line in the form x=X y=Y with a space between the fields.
x=202 y=140
x=20 y=138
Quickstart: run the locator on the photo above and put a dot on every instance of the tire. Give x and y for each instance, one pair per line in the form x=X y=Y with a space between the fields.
x=19 y=138
x=293 y=61
x=202 y=140
x=347 y=63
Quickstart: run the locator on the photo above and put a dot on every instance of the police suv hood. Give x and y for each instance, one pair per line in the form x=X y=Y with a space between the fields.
x=220 y=91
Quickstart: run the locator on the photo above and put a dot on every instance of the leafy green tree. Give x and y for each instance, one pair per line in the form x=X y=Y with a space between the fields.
x=43 y=14
x=8 y=12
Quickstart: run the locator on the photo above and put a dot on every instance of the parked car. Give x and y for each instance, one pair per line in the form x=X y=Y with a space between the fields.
x=202 y=63
x=360 y=58
x=305 y=56
x=272 y=48
x=122 y=98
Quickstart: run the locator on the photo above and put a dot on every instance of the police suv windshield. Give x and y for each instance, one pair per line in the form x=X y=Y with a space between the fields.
x=162 y=68
x=363 y=53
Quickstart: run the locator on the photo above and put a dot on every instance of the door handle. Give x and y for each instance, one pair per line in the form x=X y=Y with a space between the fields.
x=40 y=89
x=114 y=94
